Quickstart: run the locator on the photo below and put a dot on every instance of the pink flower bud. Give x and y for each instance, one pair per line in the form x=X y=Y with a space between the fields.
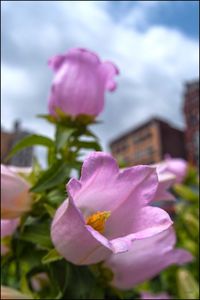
x=80 y=82
x=15 y=196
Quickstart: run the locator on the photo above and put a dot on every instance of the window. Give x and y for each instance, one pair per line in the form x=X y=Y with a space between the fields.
x=141 y=137
x=149 y=150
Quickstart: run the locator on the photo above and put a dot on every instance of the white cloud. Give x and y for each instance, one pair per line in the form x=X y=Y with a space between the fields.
x=18 y=77
x=154 y=64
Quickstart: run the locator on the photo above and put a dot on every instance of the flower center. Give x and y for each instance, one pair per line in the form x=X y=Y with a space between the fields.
x=98 y=220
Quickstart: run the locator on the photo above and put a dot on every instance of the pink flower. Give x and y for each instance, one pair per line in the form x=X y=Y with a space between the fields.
x=80 y=82
x=107 y=211
x=162 y=296
x=170 y=171
x=9 y=293
x=166 y=180
x=176 y=167
x=146 y=259
x=15 y=197
x=8 y=227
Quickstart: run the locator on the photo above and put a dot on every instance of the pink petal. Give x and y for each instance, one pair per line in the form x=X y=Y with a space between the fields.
x=96 y=188
x=79 y=85
x=161 y=296
x=146 y=258
x=55 y=62
x=15 y=197
x=140 y=223
x=103 y=188
x=166 y=180
x=108 y=71
x=143 y=223
x=8 y=227
x=177 y=167
x=76 y=241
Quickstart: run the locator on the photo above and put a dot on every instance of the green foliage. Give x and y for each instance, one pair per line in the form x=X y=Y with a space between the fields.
x=187 y=285
x=32 y=252
x=51 y=256
x=55 y=175
x=31 y=140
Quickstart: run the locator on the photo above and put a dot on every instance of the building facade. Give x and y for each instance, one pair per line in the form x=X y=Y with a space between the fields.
x=191 y=111
x=148 y=143
x=8 y=139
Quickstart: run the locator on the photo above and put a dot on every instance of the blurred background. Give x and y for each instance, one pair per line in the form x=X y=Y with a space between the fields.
x=155 y=46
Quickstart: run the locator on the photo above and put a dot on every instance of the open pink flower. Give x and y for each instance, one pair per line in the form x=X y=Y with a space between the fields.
x=107 y=211
x=170 y=171
x=176 y=167
x=146 y=259
x=8 y=227
x=80 y=82
x=15 y=197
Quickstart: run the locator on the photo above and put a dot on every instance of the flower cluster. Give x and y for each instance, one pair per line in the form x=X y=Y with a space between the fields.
x=107 y=217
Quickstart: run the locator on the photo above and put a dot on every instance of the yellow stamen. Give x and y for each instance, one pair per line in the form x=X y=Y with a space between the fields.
x=98 y=220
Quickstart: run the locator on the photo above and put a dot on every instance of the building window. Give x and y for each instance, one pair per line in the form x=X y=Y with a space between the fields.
x=141 y=137
x=192 y=121
x=149 y=150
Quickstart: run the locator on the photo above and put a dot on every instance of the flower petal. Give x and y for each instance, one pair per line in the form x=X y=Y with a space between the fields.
x=8 y=227
x=174 y=166
x=55 y=62
x=96 y=189
x=166 y=180
x=108 y=71
x=142 y=187
x=15 y=197
x=80 y=82
x=76 y=241
x=146 y=258
x=103 y=188
x=161 y=296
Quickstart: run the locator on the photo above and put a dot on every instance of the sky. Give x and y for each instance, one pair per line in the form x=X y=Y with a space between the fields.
x=155 y=45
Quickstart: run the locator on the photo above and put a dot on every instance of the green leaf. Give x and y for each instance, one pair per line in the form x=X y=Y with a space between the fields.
x=51 y=256
x=192 y=176
x=49 y=118
x=51 y=156
x=190 y=246
x=192 y=224
x=88 y=145
x=39 y=234
x=185 y=192
x=54 y=176
x=30 y=141
x=62 y=136
x=56 y=196
x=187 y=285
x=87 y=287
x=50 y=210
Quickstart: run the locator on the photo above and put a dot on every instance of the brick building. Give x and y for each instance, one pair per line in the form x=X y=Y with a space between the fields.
x=148 y=143
x=8 y=140
x=191 y=111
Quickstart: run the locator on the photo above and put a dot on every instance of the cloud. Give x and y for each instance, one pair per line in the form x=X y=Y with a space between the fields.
x=154 y=64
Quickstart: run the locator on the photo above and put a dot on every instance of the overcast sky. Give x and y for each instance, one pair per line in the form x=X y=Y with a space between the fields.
x=154 y=44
